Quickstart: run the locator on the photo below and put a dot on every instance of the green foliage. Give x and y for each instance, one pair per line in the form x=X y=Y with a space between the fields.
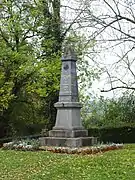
x=109 y=112
x=92 y=111
x=31 y=37
x=120 y=112
x=29 y=70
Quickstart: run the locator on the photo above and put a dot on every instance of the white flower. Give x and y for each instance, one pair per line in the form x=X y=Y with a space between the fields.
x=8 y=144
x=28 y=146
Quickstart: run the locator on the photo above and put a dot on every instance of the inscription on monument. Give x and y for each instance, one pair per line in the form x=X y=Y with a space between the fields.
x=65 y=88
x=69 y=88
x=65 y=99
x=65 y=79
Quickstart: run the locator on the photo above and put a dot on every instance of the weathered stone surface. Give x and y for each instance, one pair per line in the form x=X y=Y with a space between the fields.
x=68 y=116
x=68 y=107
x=68 y=142
x=68 y=84
x=68 y=129
x=68 y=133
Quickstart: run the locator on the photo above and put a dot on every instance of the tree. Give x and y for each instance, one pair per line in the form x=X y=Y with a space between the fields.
x=112 y=24
x=110 y=113
x=31 y=34
x=24 y=74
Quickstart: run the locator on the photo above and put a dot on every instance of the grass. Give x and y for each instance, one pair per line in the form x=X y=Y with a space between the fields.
x=112 y=165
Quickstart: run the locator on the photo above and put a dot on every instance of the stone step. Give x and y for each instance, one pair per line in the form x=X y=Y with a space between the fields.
x=68 y=142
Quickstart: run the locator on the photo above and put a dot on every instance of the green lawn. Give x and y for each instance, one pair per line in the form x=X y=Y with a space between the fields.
x=112 y=165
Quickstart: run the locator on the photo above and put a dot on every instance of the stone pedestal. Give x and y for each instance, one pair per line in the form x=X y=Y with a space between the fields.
x=68 y=129
x=68 y=142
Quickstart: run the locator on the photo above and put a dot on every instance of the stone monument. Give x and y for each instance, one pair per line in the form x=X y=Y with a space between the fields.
x=68 y=129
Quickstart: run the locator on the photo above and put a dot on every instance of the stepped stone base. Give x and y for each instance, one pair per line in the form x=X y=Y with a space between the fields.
x=68 y=142
x=68 y=133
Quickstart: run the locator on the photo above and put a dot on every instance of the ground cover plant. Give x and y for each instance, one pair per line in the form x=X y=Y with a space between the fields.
x=27 y=165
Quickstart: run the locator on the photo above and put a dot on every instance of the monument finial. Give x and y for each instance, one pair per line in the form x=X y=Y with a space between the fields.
x=69 y=53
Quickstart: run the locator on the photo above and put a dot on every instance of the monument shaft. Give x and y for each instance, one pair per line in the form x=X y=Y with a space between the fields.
x=68 y=84
x=68 y=107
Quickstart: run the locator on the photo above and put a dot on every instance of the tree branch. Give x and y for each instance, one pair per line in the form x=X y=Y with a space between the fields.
x=118 y=87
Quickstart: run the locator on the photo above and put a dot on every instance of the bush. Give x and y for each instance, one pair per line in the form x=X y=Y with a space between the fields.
x=116 y=135
x=105 y=113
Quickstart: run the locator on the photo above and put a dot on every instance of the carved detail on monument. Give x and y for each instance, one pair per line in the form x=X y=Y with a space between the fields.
x=66 y=66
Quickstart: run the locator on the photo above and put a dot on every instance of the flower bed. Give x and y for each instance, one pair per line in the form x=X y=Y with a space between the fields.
x=27 y=145
x=33 y=145
x=84 y=150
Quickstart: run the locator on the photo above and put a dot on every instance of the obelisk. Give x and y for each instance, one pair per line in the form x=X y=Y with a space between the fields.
x=68 y=129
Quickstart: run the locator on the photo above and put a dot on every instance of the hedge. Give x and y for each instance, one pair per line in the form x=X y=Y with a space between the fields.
x=105 y=135
x=116 y=135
